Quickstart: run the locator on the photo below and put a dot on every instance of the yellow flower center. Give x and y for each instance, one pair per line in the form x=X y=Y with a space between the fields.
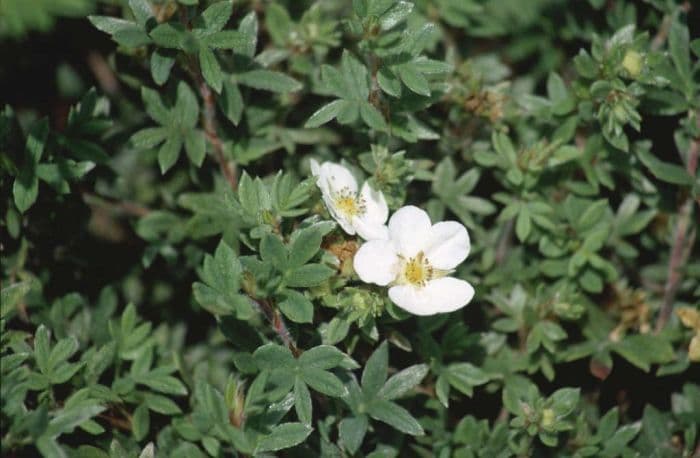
x=348 y=204
x=416 y=271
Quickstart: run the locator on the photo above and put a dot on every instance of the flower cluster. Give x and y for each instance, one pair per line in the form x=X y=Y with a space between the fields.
x=412 y=256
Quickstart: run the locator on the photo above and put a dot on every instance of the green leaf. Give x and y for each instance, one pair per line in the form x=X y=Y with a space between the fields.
x=355 y=76
x=302 y=401
x=375 y=371
x=149 y=137
x=523 y=224
x=403 y=381
x=169 y=35
x=169 y=152
x=161 y=65
x=125 y=33
x=68 y=419
x=278 y=23
x=12 y=295
x=664 y=171
x=465 y=376
x=228 y=39
x=62 y=351
x=269 y=81
x=272 y=357
x=196 y=147
x=322 y=357
x=161 y=404
x=154 y=106
x=395 y=416
x=304 y=246
x=643 y=350
x=389 y=82
x=162 y=382
x=323 y=381
x=186 y=108
x=140 y=422
x=210 y=68
x=283 y=436
x=308 y=275
x=297 y=307
x=395 y=15
x=564 y=401
x=249 y=28
x=220 y=292
x=142 y=10
x=372 y=117
x=679 y=49
x=42 y=349
x=26 y=186
x=325 y=114
x=214 y=18
x=352 y=431
x=414 y=80
x=272 y=250
x=231 y=102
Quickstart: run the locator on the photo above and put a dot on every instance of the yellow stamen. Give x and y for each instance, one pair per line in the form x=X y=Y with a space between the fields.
x=348 y=204
x=416 y=271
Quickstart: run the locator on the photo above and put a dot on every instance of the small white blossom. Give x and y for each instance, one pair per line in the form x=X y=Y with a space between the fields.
x=364 y=213
x=415 y=262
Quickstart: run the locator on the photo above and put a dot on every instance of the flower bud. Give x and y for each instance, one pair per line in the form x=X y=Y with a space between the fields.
x=633 y=63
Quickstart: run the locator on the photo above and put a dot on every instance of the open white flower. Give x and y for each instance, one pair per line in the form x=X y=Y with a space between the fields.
x=415 y=262
x=364 y=213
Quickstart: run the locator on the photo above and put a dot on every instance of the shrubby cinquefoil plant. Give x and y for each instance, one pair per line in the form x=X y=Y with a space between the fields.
x=357 y=228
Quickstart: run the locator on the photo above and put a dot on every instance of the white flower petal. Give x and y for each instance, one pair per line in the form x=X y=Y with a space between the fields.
x=448 y=245
x=315 y=167
x=370 y=230
x=409 y=229
x=376 y=209
x=376 y=262
x=443 y=295
x=336 y=178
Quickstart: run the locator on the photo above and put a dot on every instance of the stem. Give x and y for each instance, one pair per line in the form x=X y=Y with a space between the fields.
x=504 y=242
x=278 y=325
x=665 y=27
x=682 y=244
x=209 y=122
x=120 y=206
x=210 y=130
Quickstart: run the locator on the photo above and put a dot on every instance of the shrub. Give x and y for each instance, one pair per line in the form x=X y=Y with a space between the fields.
x=370 y=228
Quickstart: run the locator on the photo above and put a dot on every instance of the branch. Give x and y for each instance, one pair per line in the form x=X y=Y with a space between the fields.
x=209 y=123
x=662 y=34
x=120 y=206
x=278 y=325
x=504 y=242
x=210 y=130
x=683 y=240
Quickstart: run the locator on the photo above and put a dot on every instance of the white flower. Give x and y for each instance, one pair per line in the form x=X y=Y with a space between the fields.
x=364 y=213
x=416 y=260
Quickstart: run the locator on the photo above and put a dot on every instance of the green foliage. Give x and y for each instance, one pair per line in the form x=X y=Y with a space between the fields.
x=209 y=307
x=18 y=17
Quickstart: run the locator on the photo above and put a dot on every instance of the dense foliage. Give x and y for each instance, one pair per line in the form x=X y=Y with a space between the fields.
x=174 y=285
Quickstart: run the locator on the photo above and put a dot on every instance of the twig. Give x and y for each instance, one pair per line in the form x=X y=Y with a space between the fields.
x=121 y=423
x=103 y=73
x=682 y=243
x=121 y=206
x=665 y=27
x=210 y=130
x=278 y=325
x=504 y=242
x=209 y=122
